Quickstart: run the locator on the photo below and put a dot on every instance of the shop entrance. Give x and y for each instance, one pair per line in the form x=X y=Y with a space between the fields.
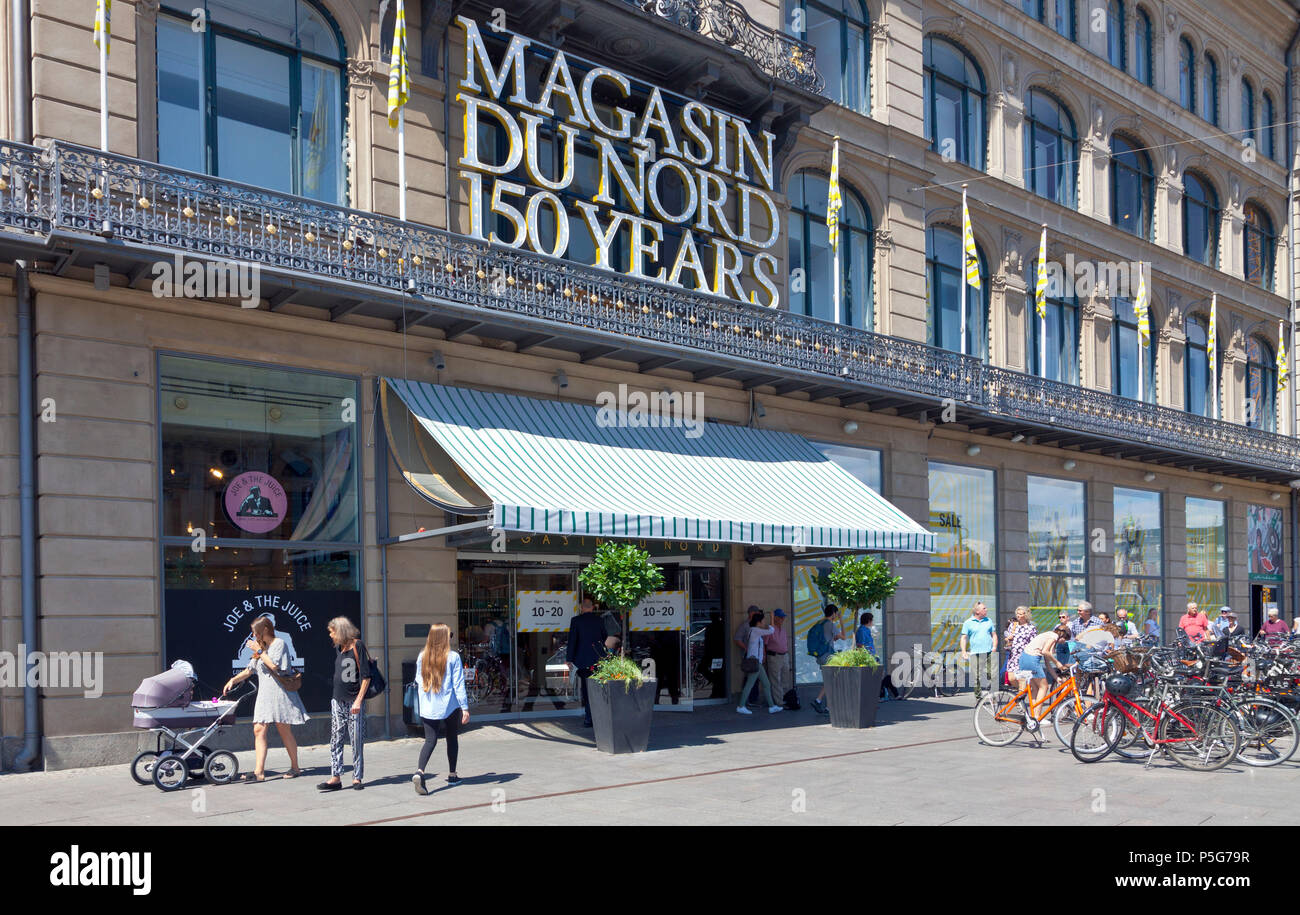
x=1262 y=599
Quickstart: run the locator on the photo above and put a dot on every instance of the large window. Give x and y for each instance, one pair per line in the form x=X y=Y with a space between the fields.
x=1261 y=385
x=810 y=252
x=1248 y=112
x=862 y=463
x=1186 y=75
x=1258 y=243
x=1207 y=564
x=1132 y=186
x=955 y=103
x=1199 y=380
x=1210 y=89
x=1200 y=220
x=1051 y=149
x=1067 y=19
x=260 y=512
x=963 y=568
x=839 y=31
x=1116 y=33
x=1268 y=127
x=1058 y=548
x=1139 y=553
x=1142 y=69
x=1053 y=340
x=256 y=96
x=1129 y=358
x=944 y=278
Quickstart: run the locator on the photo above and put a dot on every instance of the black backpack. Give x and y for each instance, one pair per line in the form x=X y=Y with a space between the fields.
x=791 y=700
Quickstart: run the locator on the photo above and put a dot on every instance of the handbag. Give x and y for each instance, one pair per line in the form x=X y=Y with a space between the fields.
x=290 y=682
x=749 y=666
x=377 y=682
x=411 y=697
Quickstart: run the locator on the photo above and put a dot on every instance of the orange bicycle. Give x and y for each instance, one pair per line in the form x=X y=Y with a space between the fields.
x=1001 y=716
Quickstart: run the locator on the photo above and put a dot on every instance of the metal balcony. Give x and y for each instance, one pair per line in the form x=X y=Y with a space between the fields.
x=69 y=206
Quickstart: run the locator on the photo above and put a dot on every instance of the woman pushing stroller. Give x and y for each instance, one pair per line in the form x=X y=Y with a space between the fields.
x=275 y=705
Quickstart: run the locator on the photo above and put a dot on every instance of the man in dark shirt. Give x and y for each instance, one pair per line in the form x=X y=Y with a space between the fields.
x=585 y=647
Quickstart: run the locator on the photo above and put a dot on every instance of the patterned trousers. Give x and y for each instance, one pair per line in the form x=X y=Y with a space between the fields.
x=342 y=721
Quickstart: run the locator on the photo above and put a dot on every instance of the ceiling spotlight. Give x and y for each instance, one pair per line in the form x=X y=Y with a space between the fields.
x=759 y=410
x=180 y=403
x=275 y=414
x=1069 y=464
x=1275 y=496
x=850 y=427
x=1018 y=437
x=1149 y=476
x=1217 y=487
x=1295 y=484
x=560 y=379
x=973 y=450
x=439 y=362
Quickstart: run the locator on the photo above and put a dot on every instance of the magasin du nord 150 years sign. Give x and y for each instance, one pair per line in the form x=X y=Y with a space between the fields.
x=691 y=168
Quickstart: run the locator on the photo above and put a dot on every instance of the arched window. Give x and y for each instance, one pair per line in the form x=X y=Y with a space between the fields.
x=1116 y=33
x=1127 y=353
x=1051 y=148
x=1248 y=112
x=1060 y=346
x=840 y=32
x=1142 y=47
x=945 y=275
x=1261 y=385
x=1132 y=184
x=256 y=97
x=810 y=251
x=1210 y=89
x=1066 y=19
x=1196 y=370
x=1200 y=220
x=1186 y=75
x=1268 y=128
x=955 y=103
x=1258 y=242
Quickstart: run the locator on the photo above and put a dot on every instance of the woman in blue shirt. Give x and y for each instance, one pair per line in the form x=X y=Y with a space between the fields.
x=443 y=704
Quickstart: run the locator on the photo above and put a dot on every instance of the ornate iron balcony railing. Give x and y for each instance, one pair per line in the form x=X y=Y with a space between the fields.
x=71 y=189
x=777 y=54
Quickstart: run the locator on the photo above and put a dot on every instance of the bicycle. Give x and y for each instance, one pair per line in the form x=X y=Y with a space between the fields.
x=1001 y=717
x=1196 y=734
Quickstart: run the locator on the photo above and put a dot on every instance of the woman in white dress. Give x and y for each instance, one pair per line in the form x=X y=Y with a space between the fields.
x=275 y=704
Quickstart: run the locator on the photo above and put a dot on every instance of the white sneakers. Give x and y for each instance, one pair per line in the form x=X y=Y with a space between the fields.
x=773 y=709
x=743 y=710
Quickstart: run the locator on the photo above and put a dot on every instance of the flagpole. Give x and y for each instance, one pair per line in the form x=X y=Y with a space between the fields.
x=103 y=83
x=1042 y=326
x=965 y=219
x=836 y=287
x=1214 y=356
x=401 y=163
x=1141 y=346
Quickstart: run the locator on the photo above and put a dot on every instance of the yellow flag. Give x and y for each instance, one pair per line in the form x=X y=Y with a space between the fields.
x=970 y=256
x=834 y=202
x=1142 y=308
x=1040 y=284
x=1213 y=343
x=1281 y=359
x=399 y=76
x=103 y=26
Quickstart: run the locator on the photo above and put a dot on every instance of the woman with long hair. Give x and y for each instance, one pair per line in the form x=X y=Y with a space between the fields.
x=275 y=704
x=443 y=704
x=347 y=703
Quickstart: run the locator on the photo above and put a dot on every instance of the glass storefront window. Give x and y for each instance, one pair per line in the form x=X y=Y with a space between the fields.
x=963 y=568
x=862 y=463
x=809 y=605
x=1207 y=566
x=1139 y=554
x=1058 y=548
x=257 y=453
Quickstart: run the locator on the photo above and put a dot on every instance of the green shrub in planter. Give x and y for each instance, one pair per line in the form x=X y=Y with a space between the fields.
x=853 y=677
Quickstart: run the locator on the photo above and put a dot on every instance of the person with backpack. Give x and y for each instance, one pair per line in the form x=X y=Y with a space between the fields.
x=347 y=710
x=820 y=639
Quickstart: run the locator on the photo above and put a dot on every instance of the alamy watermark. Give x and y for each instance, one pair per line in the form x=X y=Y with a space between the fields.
x=1073 y=278
x=660 y=409
x=195 y=279
x=83 y=670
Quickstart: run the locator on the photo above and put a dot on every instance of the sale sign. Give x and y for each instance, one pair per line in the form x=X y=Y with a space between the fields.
x=544 y=611
x=661 y=611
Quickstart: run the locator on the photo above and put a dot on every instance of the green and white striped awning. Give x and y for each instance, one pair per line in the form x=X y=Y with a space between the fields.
x=543 y=466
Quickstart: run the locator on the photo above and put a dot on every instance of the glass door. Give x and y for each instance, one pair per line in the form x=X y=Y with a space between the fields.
x=707 y=642
x=485 y=636
x=542 y=680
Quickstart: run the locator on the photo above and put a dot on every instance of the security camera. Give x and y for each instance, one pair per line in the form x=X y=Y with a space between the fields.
x=438 y=361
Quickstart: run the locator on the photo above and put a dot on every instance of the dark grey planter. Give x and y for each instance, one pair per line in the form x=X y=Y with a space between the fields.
x=621 y=716
x=852 y=695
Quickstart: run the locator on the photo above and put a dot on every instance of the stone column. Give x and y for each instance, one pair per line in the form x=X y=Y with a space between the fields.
x=1101 y=563
x=146 y=83
x=1171 y=356
x=1169 y=227
x=1009 y=140
x=1098 y=366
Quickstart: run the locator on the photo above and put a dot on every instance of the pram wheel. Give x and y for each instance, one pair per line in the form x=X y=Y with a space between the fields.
x=170 y=772
x=221 y=768
x=142 y=767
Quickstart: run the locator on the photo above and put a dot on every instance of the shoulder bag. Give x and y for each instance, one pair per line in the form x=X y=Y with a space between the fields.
x=291 y=681
x=377 y=682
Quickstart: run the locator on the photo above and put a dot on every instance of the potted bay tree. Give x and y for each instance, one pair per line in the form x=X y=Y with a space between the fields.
x=622 y=698
x=853 y=677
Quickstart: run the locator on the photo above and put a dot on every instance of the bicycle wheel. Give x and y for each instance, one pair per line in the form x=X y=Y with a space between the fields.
x=1063 y=719
x=993 y=727
x=1199 y=736
x=1132 y=742
x=1096 y=733
x=1269 y=732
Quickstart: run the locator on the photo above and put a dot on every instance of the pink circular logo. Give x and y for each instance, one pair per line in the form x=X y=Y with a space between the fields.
x=255 y=502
